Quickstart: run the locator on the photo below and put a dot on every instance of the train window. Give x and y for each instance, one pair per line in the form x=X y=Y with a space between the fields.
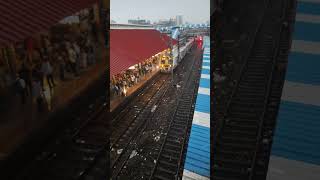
x=170 y=61
x=163 y=61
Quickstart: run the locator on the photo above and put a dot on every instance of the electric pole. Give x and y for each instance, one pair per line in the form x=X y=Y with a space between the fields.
x=171 y=55
x=178 y=47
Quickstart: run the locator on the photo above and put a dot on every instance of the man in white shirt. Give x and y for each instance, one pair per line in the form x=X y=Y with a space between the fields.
x=47 y=70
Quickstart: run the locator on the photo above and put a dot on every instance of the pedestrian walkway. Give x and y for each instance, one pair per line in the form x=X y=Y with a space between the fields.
x=21 y=120
x=115 y=101
x=197 y=163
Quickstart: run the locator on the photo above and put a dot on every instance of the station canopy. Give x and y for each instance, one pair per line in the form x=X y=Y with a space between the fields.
x=21 y=19
x=132 y=46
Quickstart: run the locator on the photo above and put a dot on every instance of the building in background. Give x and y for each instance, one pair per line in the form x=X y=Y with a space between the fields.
x=166 y=22
x=139 y=21
x=179 y=20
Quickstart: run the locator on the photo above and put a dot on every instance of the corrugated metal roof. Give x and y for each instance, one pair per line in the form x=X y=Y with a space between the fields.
x=296 y=146
x=197 y=163
x=21 y=19
x=297 y=135
x=131 y=46
x=309 y=74
x=198 y=155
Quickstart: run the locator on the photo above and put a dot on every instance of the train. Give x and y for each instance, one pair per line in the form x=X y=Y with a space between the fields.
x=199 y=42
x=168 y=64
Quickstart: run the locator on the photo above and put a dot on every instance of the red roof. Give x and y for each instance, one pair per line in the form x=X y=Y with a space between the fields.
x=23 y=18
x=132 y=46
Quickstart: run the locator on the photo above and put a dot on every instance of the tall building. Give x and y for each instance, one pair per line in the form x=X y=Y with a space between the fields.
x=179 y=20
x=165 y=22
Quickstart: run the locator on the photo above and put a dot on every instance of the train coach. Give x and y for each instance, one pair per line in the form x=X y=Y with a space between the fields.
x=167 y=64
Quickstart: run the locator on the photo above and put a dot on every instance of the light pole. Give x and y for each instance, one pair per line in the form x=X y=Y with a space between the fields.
x=179 y=48
x=171 y=56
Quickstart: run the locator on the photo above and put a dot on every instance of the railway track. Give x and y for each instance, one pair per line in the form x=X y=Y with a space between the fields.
x=124 y=146
x=242 y=141
x=127 y=124
x=136 y=104
x=76 y=150
x=128 y=116
x=124 y=143
x=170 y=157
x=261 y=158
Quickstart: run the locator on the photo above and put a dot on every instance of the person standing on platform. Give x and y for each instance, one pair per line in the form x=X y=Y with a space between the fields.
x=72 y=59
x=119 y=85
x=84 y=58
x=26 y=74
x=140 y=71
x=21 y=88
x=46 y=69
x=67 y=59
x=38 y=75
x=136 y=77
x=29 y=67
x=62 y=66
x=77 y=50
x=132 y=79
x=124 y=82
x=146 y=69
x=38 y=95
x=117 y=89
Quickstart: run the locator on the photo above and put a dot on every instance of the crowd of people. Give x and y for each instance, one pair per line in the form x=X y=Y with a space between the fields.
x=120 y=83
x=53 y=60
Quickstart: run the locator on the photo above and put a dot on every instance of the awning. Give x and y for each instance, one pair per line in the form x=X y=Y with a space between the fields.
x=23 y=18
x=132 y=46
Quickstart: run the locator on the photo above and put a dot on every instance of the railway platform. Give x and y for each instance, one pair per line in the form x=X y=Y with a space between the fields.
x=117 y=100
x=20 y=121
x=197 y=162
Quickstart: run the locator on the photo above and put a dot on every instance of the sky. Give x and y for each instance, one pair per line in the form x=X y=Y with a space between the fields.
x=193 y=11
